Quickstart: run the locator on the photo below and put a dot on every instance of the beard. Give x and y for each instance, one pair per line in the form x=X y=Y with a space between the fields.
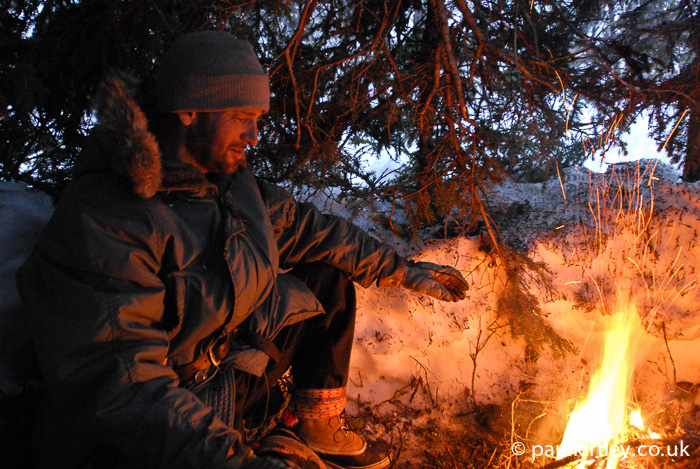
x=201 y=142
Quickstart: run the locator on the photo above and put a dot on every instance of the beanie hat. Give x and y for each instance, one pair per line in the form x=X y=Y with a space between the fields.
x=211 y=71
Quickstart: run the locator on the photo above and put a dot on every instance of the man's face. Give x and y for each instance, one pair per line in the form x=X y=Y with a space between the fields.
x=215 y=141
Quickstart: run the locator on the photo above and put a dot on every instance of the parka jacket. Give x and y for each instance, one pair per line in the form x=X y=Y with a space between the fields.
x=143 y=264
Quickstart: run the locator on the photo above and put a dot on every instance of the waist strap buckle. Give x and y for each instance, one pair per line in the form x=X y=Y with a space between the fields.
x=219 y=349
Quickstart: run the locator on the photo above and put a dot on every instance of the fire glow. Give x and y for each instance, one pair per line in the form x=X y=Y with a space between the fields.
x=603 y=422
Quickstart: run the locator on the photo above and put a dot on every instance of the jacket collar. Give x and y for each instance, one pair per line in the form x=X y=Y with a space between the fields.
x=122 y=142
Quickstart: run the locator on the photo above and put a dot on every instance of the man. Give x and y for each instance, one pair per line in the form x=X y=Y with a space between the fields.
x=157 y=296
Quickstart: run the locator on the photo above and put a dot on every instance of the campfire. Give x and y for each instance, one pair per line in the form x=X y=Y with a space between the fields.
x=622 y=290
x=604 y=426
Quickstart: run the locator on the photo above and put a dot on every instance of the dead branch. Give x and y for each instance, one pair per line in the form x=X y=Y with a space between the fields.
x=288 y=61
x=451 y=63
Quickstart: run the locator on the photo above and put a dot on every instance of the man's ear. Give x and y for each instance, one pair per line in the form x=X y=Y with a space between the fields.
x=186 y=117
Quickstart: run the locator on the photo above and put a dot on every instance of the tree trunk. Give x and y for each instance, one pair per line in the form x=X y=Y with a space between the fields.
x=691 y=168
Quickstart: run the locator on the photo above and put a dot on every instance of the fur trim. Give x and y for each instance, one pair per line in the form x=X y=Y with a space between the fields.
x=122 y=128
x=122 y=142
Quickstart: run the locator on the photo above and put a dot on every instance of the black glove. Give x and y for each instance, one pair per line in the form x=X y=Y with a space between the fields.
x=256 y=462
x=282 y=449
x=439 y=281
x=243 y=457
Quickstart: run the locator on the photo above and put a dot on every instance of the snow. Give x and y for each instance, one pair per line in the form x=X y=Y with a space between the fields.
x=402 y=337
x=24 y=213
x=431 y=360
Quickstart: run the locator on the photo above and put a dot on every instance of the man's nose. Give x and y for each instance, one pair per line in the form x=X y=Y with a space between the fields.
x=250 y=134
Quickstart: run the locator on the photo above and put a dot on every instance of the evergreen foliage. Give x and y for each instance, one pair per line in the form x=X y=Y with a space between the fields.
x=522 y=310
x=462 y=93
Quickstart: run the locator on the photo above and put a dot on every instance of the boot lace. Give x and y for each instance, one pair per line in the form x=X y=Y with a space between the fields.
x=343 y=426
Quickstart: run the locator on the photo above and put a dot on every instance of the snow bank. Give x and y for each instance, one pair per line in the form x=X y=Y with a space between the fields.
x=633 y=251
x=24 y=213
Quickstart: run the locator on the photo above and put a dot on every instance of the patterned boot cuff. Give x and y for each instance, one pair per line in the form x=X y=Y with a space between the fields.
x=318 y=403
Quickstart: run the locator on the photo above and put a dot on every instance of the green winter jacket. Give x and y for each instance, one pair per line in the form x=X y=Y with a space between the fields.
x=141 y=266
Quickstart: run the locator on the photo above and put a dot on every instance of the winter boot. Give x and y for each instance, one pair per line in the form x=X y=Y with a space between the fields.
x=318 y=420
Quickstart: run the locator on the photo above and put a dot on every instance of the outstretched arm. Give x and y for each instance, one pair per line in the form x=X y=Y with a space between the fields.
x=307 y=235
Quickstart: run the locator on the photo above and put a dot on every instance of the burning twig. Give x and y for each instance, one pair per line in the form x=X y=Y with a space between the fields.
x=562 y=462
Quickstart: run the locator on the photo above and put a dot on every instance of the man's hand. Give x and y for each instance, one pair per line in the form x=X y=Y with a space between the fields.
x=251 y=461
x=243 y=457
x=281 y=449
x=439 y=281
x=266 y=463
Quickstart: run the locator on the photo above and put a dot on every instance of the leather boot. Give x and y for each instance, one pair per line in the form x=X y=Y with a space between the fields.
x=319 y=422
x=330 y=436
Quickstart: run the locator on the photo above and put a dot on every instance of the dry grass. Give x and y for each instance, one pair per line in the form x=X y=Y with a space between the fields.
x=484 y=438
x=426 y=435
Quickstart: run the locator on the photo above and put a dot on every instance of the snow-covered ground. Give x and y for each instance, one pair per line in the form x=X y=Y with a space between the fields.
x=437 y=359
x=23 y=213
x=418 y=361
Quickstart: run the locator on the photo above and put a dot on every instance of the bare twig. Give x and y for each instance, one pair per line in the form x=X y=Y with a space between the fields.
x=673 y=363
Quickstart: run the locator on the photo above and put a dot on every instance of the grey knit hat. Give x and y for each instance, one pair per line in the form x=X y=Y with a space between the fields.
x=211 y=71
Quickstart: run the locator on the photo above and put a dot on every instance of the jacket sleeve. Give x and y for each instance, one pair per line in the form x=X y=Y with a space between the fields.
x=94 y=304
x=305 y=234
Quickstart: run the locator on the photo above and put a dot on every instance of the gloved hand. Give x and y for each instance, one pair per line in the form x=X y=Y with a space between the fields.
x=439 y=281
x=281 y=449
x=256 y=462
x=243 y=457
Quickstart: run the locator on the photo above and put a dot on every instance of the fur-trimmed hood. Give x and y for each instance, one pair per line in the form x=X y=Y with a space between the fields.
x=122 y=142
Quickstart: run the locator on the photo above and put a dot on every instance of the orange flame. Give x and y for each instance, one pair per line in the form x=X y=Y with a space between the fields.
x=600 y=421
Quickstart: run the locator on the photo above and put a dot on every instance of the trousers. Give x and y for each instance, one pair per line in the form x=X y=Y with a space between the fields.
x=316 y=350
